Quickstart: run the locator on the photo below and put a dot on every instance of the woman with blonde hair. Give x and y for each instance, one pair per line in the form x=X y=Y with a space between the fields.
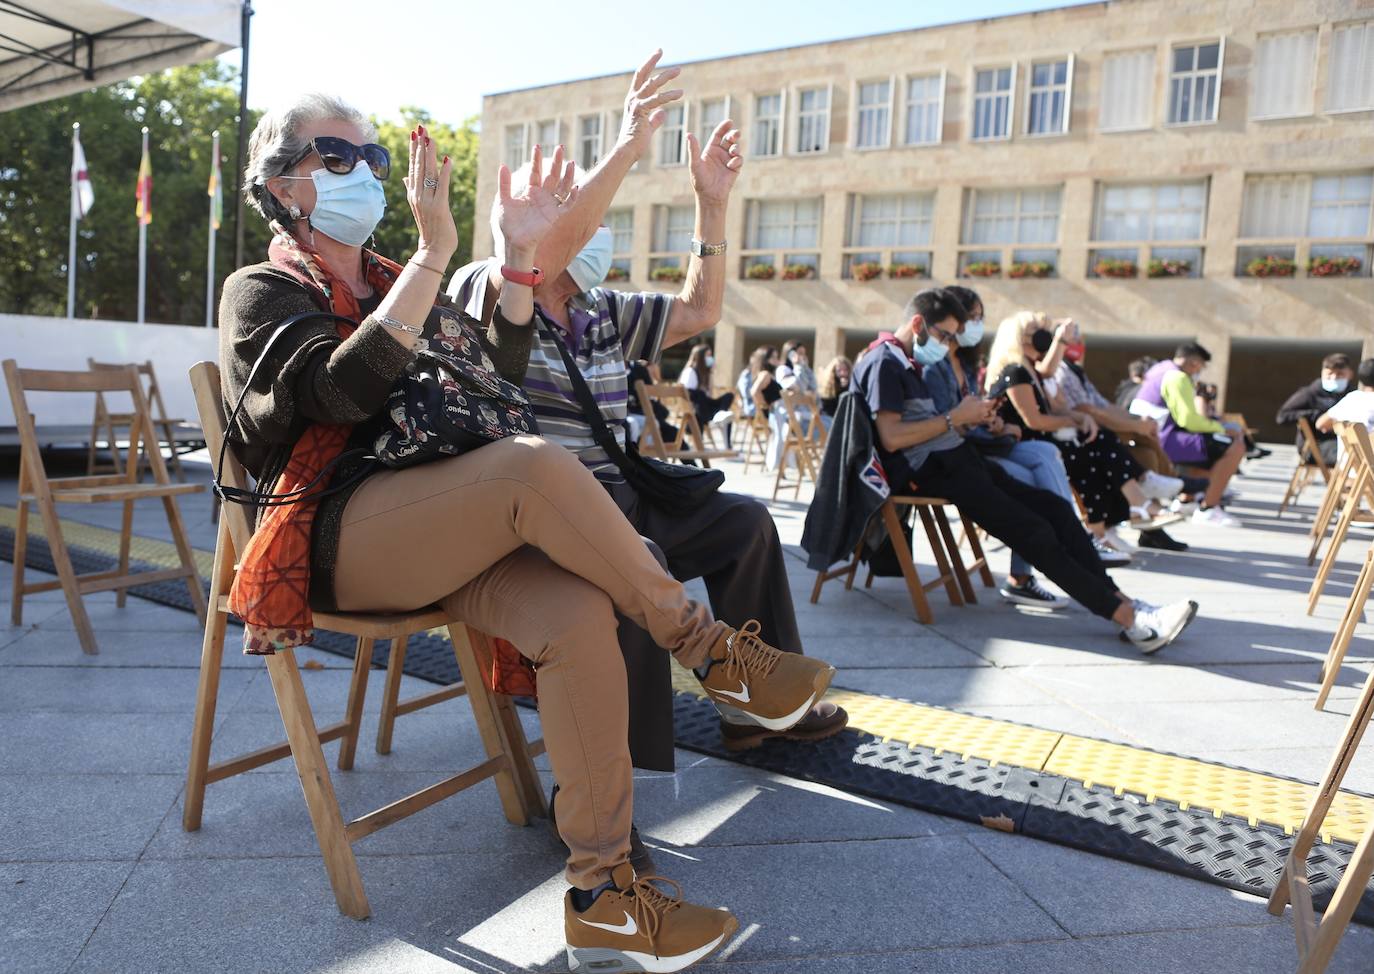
x=1102 y=471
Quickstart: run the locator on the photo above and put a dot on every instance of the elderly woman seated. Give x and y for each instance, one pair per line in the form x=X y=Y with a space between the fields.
x=515 y=537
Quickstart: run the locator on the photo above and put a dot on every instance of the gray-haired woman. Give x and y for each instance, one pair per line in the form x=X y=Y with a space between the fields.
x=515 y=538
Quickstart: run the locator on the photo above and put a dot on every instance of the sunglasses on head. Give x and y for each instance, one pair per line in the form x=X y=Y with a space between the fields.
x=341 y=156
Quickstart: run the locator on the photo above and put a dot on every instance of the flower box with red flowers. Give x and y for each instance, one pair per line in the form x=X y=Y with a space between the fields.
x=1334 y=266
x=798 y=272
x=1112 y=267
x=668 y=275
x=983 y=268
x=760 y=272
x=1271 y=266
x=617 y=274
x=866 y=270
x=1159 y=267
x=1031 y=268
x=902 y=272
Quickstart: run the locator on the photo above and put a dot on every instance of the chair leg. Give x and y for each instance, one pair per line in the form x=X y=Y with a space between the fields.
x=323 y=804
x=489 y=726
x=929 y=518
x=357 y=693
x=1333 y=551
x=207 y=687
x=391 y=694
x=956 y=559
x=187 y=556
x=21 y=552
x=126 y=531
x=913 y=580
x=531 y=788
x=975 y=545
x=62 y=561
x=1342 y=906
x=1340 y=642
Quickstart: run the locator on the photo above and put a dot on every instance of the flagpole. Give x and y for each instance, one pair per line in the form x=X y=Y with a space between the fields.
x=143 y=251
x=71 y=245
x=210 y=264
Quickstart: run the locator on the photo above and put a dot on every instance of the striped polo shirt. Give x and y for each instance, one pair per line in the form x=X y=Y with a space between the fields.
x=610 y=329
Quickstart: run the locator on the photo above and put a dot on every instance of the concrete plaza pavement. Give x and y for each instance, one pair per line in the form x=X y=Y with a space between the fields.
x=97 y=875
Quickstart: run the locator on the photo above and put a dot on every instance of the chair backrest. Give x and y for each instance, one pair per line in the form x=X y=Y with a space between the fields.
x=157 y=409
x=791 y=402
x=651 y=440
x=205 y=383
x=124 y=380
x=1311 y=451
x=1357 y=439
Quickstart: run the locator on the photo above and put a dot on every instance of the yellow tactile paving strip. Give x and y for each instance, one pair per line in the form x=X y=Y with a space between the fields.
x=1248 y=795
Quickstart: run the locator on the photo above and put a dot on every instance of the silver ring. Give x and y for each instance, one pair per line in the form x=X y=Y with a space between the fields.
x=431 y=183
x=561 y=199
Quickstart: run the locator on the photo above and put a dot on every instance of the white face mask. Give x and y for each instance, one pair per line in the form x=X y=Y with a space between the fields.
x=348 y=207
x=710 y=361
x=592 y=263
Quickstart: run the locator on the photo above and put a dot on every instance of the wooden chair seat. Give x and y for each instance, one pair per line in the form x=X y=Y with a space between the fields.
x=509 y=755
x=38 y=490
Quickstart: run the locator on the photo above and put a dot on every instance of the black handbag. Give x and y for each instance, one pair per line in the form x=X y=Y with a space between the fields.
x=451 y=399
x=670 y=487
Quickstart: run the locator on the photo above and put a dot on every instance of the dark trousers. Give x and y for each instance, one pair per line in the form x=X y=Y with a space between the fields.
x=1036 y=524
x=731 y=544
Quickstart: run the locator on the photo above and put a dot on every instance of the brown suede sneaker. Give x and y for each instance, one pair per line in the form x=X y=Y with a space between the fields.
x=636 y=926
x=761 y=684
x=823 y=720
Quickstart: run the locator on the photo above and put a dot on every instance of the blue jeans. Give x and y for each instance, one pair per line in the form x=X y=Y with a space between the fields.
x=1036 y=463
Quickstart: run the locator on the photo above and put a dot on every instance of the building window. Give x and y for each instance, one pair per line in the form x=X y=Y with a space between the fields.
x=1326 y=218
x=1128 y=84
x=1340 y=205
x=1151 y=211
x=782 y=231
x=925 y=109
x=710 y=113
x=1195 y=84
x=1047 y=108
x=1011 y=216
x=615 y=134
x=672 y=137
x=891 y=231
x=874 y=117
x=547 y=136
x=767 y=125
x=992 y=103
x=1351 y=85
x=1281 y=79
x=673 y=226
x=621 y=224
x=813 y=120
x=517 y=146
x=589 y=141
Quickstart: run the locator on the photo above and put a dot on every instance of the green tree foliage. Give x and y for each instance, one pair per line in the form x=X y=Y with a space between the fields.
x=181 y=107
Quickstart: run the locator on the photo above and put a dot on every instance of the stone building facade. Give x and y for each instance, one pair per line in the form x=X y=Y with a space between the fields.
x=1136 y=164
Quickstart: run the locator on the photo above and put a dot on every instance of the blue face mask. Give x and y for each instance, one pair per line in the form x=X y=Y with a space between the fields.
x=972 y=333
x=1335 y=385
x=593 y=262
x=929 y=353
x=349 y=207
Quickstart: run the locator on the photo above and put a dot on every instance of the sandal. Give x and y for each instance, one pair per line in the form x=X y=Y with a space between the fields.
x=1143 y=519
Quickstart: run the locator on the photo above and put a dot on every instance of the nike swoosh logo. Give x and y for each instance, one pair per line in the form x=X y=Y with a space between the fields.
x=742 y=696
x=629 y=928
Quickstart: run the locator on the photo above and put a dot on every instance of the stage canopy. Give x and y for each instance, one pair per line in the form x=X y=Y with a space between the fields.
x=51 y=48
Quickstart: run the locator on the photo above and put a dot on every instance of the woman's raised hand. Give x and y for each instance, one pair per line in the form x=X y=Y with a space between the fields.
x=526 y=216
x=426 y=184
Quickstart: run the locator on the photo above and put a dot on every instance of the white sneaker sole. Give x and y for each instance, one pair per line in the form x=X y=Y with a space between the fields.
x=1152 y=646
x=1031 y=603
x=607 y=960
x=786 y=721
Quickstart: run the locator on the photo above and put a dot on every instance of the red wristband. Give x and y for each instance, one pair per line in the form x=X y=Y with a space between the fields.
x=530 y=278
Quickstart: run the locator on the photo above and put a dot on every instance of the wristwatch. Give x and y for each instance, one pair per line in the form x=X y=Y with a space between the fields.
x=530 y=278
x=707 y=250
x=949 y=422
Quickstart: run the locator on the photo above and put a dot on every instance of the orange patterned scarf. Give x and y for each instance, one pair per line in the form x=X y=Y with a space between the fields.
x=271 y=592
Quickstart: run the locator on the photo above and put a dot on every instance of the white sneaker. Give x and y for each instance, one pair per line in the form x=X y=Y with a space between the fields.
x=1159 y=487
x=1108 y=555
x=1180 y=506
x=1116 y=541
x=1156 y=626
x=1215 y=516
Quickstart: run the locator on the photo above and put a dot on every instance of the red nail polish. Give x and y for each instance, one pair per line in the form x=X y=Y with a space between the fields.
x=446 y=159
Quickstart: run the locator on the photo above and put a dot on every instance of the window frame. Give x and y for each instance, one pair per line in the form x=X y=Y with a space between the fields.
x=1099 y=189
x=1152 y=87
x=778 y=256
x=796 y=114
x=659 y=220
x=973 y=101
x=663 y=130
x=700 y=114
x=600 y=139
x=1368 y=25
x=854 y=127
x=1007 y=251
x=1169 y=75
x=537 y=124
x=943 y=75
x=1030 y=93
x=506 y=156
x=781 y=119
x=1311 y=102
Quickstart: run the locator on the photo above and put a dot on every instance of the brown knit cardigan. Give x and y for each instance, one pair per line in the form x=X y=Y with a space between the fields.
x=312 y=376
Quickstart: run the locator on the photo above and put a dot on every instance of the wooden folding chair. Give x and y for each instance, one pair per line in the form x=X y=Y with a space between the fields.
x=1340 y=641
x=1239 y=420
x=953 y=573
x=1311 y=464
x=45 y=493
x=758 y=431
x=1336 y=489
x=508 y=753
x=819 y=434
x=1317 y=938
x=797 y=445
x=1359 y=504
x=175 y=434
x=681 y=413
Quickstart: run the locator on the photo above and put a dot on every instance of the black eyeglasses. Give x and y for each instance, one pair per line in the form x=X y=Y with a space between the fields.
x=340 y=156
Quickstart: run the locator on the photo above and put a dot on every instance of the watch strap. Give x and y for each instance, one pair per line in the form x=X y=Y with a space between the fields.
x=703 y=249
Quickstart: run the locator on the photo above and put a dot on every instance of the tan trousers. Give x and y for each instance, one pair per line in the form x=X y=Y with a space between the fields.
x=518 y=540
x=1150 y=454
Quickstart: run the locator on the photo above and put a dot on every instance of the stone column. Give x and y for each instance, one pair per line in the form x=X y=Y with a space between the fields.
x=729 y=352
x=828 y=343
x=1218 y=370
